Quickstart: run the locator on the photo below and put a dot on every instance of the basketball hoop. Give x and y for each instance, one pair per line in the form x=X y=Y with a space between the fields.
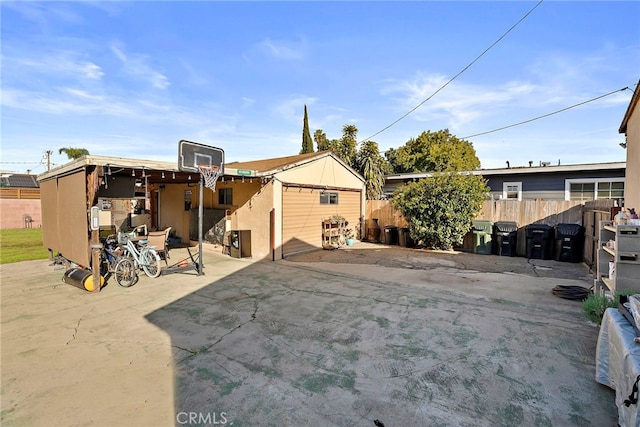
x=210 y=174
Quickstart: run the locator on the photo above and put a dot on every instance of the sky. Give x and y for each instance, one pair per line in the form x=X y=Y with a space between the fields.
x=132 y=79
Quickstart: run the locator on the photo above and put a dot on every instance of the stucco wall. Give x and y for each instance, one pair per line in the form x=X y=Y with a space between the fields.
x=254 y=215
x=172 y=211
x=12 y=211
x=326 y=171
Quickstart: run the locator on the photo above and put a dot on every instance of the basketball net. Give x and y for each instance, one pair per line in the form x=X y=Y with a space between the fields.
x=210 y=174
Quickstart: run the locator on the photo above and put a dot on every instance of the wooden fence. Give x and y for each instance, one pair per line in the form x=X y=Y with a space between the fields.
x=20 y=193
x=594 y=212
x=525 y=212
x=550 y=212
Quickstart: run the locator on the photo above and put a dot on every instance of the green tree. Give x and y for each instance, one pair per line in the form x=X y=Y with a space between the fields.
x=440 y=209
x=345 y=147
x=372 y=166
x=322 y=143
x=307 y=142
x=73 y=153
x=433 y=152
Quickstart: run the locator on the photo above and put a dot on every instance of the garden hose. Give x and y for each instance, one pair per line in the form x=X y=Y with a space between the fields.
x=576 y=293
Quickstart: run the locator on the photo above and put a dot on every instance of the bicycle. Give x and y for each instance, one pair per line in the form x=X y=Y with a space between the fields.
x=144 y=256
x=114 y=262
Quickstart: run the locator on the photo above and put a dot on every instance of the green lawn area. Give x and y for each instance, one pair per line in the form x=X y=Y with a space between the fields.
x=21 y=245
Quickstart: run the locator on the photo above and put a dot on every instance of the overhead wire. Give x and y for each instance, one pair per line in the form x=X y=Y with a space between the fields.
x=548 y=114
x=457 y=75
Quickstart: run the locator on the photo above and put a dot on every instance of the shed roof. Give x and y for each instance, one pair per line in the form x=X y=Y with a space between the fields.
x=523 y=170
x=278 y=164
x=264 y=167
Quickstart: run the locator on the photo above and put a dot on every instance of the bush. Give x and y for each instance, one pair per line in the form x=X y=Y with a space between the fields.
x=439 y=209
x=595 y=305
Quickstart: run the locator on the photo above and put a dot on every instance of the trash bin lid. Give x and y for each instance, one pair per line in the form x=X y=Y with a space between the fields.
x=568 y=230
x=533 y=229
x=390 y=227
x=505 y=226
x=481 y=225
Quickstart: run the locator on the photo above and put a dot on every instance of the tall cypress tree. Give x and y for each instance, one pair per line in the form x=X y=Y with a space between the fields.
x=307 y=142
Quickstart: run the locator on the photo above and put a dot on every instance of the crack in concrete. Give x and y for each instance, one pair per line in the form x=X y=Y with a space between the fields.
x=256 y=306
x=533 y=268
x=75 y=330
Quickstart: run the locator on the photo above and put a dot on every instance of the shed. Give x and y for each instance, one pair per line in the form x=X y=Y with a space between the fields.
x=281 y=200
x=297 y=193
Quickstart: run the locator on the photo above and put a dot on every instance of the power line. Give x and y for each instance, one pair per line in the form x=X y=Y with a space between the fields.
x=459 y=73
x=22 y=163
x=549 y=114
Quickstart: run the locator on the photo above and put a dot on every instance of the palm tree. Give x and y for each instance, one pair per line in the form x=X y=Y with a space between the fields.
x=372 y=166
x=73 y=153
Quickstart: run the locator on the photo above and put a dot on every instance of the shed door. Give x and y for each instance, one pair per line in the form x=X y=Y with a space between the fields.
x=302 y=215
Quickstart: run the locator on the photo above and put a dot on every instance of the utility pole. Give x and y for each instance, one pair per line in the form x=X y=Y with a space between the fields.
x=48 y=154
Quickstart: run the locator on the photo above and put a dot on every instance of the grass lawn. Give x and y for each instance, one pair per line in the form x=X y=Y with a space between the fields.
x=21 y=245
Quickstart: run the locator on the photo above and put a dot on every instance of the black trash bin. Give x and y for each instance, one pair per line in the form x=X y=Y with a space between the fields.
x=391 y=235
x=505 y=238
x=404 y=238
x=539 y=241
x=569 y=242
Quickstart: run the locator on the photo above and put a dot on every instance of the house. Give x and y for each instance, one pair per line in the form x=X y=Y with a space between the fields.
x=630 y=126
x=545 y=181
x=282 y=201
x=19 y=201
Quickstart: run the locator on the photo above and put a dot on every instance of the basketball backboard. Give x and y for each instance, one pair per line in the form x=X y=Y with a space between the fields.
x=193 y=154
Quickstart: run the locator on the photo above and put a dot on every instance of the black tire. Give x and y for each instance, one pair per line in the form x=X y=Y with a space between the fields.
x=151 y=262
x=125 y=273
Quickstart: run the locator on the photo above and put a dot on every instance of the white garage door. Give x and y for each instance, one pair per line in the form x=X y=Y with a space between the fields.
x=304 y=209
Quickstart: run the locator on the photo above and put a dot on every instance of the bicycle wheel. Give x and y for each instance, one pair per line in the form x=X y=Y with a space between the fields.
x=150 y=261
x=125 y=273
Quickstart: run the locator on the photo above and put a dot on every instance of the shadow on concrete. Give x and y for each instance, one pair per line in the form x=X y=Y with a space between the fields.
x=324 y=343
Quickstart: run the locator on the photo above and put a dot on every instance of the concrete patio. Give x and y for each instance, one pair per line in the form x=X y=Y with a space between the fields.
x=344 y=337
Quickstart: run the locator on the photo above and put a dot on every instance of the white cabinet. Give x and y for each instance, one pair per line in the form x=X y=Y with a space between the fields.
x=624 y=257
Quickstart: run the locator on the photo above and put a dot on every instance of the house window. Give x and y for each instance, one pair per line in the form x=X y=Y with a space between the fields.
x=225 y=196
x=512 y=190
x=582 y=191
x=328 y=198
x=610 y=190
x=592 y=189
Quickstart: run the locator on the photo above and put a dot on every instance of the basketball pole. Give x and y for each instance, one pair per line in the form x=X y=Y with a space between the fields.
x=200 y=213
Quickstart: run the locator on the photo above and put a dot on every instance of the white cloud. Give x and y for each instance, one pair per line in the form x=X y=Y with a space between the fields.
x=82 y=94
x=60 y=64
x=292 y=109
x=458 y=103
x=137 y=65
x=247 y=102
x=282 y=49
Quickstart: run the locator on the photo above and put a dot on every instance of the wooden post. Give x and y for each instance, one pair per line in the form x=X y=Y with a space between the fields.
x=95 y=259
